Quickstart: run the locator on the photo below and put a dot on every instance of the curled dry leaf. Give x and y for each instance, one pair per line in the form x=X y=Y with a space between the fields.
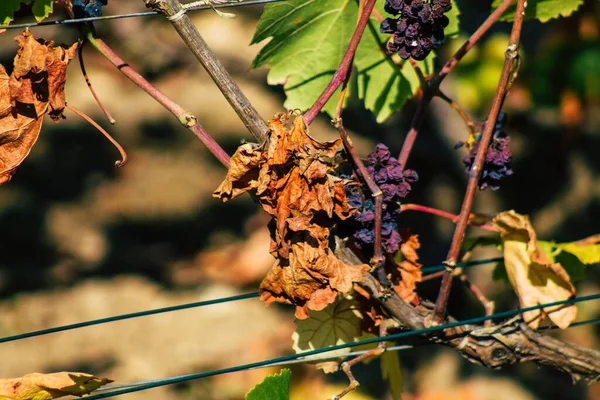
x=50 y=386
x=290 y=176
x=535 y=279
x=409 y=268
x=35 y=87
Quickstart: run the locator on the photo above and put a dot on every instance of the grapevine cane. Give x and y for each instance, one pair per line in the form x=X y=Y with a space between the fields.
x=475 y=173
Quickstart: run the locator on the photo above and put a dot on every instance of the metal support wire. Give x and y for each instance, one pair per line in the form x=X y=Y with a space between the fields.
x=128 y=316
x=234 y=3
x=327 y=357
x=181 y=307
x=291 y=357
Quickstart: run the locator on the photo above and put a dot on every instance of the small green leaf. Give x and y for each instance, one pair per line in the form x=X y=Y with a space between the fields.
x=542 y=10
x=499 y=273
x=587 y=254
x=42 y=9
x=8 y=8
x=453 y=27
x=273 y=387
x=486 y=240
x=392 y=372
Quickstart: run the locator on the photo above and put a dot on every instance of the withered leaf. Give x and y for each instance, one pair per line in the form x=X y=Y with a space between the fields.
x=409 y=267
x=292 y=180
x=50 y=386
x=35 y=87
x=535 y=279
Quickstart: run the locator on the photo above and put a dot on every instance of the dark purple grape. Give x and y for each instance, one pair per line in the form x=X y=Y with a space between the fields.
x=420 y=23
x=88 y=8
x=497 y=158
x=395 y=185
x=93 y=10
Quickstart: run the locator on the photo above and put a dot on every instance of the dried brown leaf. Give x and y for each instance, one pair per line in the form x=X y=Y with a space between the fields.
x=535 y=279
x=50 y=386
x=291 y=176
x=35 y=87
x=409 y=268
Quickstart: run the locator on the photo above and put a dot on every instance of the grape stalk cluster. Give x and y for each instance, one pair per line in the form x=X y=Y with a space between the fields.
x=418 y=27
x=88 y=8
x=497 y=159
x=395 y=185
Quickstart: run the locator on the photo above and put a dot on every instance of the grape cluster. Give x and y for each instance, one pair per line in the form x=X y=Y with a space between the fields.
x=497 y=159
x=88 y=8
x=418 y=27
x=395 y=185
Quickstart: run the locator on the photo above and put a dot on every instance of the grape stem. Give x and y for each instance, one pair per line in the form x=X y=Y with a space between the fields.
x=506 y=77
x=378 y=257
x=186 y=118
x=445 y=214
x=90 y=87
x=430 y=90
x=343 y=70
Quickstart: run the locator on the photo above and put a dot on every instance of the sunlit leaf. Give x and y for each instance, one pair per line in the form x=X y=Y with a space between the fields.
x=273 y=387
x=338 y=323
x=543 y=10
x=308 y=39
x=534 y=277
x=50 y=386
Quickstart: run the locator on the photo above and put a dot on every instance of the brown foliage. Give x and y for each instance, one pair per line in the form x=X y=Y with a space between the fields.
x=290 y=176
x=35 y=87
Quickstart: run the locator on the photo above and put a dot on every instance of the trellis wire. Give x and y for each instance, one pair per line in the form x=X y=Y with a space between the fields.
x=326 y=357
x=134 y=15
x=128 y=316
x=259 y=364
x=183 y=307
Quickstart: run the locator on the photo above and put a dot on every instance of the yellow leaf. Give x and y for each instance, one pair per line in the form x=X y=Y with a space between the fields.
x=535 y=279
x=49 y=386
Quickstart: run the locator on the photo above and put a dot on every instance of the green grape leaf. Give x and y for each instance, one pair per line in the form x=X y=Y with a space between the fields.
x=42 y=9
x=8 y=8
x=587 y=254
x=273 y=387
x=391 y=371
x=542 y=10
x=499 y=272
x=453 y=27
x=308 y=41
x=338 y=323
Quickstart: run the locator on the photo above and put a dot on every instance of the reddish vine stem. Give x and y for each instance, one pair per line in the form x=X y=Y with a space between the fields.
x=120 y=148
x=343 y=69
x=475 y=173
x=90 y=87
x=445 y=214
x=186 y=118
x=433 y=85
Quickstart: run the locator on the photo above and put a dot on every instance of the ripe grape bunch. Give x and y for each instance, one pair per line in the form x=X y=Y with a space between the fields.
x=395 y=185
x=418 y=27
x=497 y=159
x=88 y=8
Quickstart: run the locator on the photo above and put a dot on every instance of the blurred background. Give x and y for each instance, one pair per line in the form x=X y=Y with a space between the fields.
x=82 y=240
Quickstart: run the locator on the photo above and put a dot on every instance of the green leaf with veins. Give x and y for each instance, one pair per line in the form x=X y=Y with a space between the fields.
x=338 y=323
x=273 y=387
x=308 y=39
x=542 y=10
